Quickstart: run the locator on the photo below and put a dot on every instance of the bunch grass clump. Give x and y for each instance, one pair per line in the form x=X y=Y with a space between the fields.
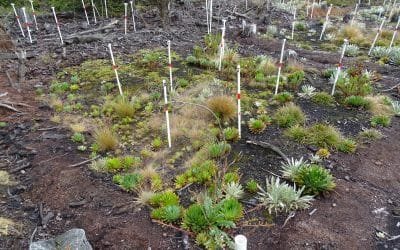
x=231 y=134
x=289 y=116
x=357 y=102
x=315 y=179
x=218 y=150
x=323 y=98
x=380 y=120
x=128 y=182
x=223 y=106
x=256 y=126
x=106 y=139
x=168 y=214
x=123 y=108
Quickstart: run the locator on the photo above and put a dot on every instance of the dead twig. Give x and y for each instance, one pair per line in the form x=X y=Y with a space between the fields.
x=25 y=166
x=392 y=88
x=3 y=105
x=269 y=146
x=47 y=129
x=53 y=158
x=291 y=215
x=83 y=162
x=173 y=227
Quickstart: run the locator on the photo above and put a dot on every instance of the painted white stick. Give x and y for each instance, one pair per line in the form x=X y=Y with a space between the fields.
x=125 y=18
x=246 y=4
x=307 y=7
x=208 y=24
x=170 y=65
x=166 y=113
x=34 y=14
x=243 y=25
x=293 y=23
x=240 y=242
x=94 y=12
x=354 y=16
x=392 y=9
x=222 y=45
x=340 y=65
x=84 y=10
x=27 y=24
x=58 y=25
x=280 y=67
x=18 y=21
x=395 y=32
x=105 y=7
x=326 y=22
x=312 y=9
x=133 y=16
x=239 y=113
x=377 y=35
x=211 y=15
x=115 y=67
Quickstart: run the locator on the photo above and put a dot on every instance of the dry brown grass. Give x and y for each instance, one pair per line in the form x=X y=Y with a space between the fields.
x=378 y=106
x=106 y=139
x=6 y=226
x=351 y=32
x=123 y=108
x=336 y=11
x=223 y=106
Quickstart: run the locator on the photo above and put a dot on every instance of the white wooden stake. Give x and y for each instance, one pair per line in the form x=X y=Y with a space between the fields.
x=34 y=14
x=240 y=242
x=27 y=24
x=211 y=15
x=222 y=45
x=293 y=23
x=239 y=113
x=18 y=21
x=355 y=14
x=307 y=7
x=340 y=65
x=58 y=25
x=377 y=35
x=133 y=16
x=243 y=25
x=326 y=22
x=105 y=7
x=84 y=10
x=392 y=9
x=166 y=113
x=395 y=32
x=94 y=12
x=125 y=17
x=208 y=24
x=246 y=4
x=280 y=67
x=115 y=67
x=170 y=65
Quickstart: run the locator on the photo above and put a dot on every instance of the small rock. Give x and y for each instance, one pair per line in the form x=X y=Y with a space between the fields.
x=347 y=178
x=72 y=239
x=333 y=204
x=164 y=235
x=378 y=163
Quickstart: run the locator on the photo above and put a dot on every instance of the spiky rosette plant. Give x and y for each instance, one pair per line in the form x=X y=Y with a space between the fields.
x=256 y=126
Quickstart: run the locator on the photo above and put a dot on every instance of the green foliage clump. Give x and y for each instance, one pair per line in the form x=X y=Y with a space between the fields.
x=323 y=98
x=156 y=143
x=252 y=186
x=325 y=136
x=347 y=146
x=283 y=97
x=357 y=102
x=114 y=164
x=123 y=108
x=231 y=134
x=231 y=209
x=163 y=199
x=59 y=87
x=357 y=84
x=218 y=150
x=128 y=182
x=289 y=115
x=297 y=133
x=295 y=79
x=169 y=213
x=380 y=120
x=199 y=172
x=370 y=135
x=78 y=137
x=315 y=179
x=256 y=126
x=231 y=177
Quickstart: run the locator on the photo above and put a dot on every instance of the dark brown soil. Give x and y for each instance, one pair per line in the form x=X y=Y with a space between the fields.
x=366 y=181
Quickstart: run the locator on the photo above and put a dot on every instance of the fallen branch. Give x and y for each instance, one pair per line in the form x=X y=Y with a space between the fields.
x=108 y=26
x=392 y=88
x=9 y=107
x=269 y=146
x=25 y=166
x=238 y=14
x=84 y=162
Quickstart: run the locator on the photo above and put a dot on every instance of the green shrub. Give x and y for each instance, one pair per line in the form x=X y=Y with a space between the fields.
x=199 y=172
x=256 y=126
x=131 y=162
x=295 y=79
x=259 y=77
x=252 y=186
x=231 y=134
x=123 y=108
x=370 y=135
x=323 y=98
x=78 y=137
x=324 y=136
x=297 y=133
x=283 y=97
x=113 y=164
x=289 y=115
x=347 y=146
x=169 y=213
x=218 y=150
x=163 y=199
x=128 y=182
x=231 y=209
x=357 y=102
x=358 y=84
x=315 y=179
x=380 y=120
x=156 y=143
x=231 y=177
x=292 y=167
x=59 y=87
x=195 y=219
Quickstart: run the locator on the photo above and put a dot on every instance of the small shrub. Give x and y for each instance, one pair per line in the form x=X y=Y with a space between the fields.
x=370 y=135
x=156 y=143
x=259 y=77
x=380 y=120
x=231 y=134
x=59 y=87
x=352 y=50
x=128 y=182
x=256 y=126
x=357 y=102
x=195 y=219
x=295 y=79
x=113 y=164
x=223 y=106
x=347 y=146
x=163 y=199
x=123 y=108
x=307 y=91
x=283 y=97
x=297 y=133
x=323 y=98
x=131 y=162
x=78 y=137
x=322 y=135
x=266 y=119
x=233 y=190
x=169 y=213
x=231 y=177
x=231 y=209
x=218 y=150
x=289 y=115
x=315 y=180
x=291 y=168
x=323 y=153
x=280 y=197
x=200 y=172
x=106 y=139
x=252 y=186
